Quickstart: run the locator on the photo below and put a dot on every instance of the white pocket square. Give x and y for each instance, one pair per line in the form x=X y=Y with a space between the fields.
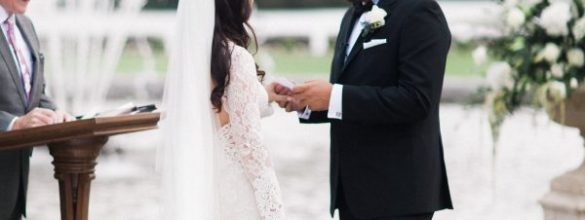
x=374 y=42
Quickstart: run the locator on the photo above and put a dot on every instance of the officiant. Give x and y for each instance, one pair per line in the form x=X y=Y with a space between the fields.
x=23 y=103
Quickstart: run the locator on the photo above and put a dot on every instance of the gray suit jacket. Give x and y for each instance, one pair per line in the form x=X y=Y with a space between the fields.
x=14 y=165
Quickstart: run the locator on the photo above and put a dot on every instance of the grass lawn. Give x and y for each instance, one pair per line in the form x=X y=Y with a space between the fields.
x=460 y=63
x=132 y=62
x=294 y=62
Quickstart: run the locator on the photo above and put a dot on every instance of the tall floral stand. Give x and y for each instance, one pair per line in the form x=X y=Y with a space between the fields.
x=566 y=199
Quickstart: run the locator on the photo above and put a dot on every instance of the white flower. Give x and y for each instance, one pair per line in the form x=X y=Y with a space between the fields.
x=376 y=17
x=499 y=76
x=522 y=3
x=516 y=18
x=579 y=29
x=557 y=90
x=555 y=17
x=557 y=70
x=550 y=53
x=574 y=83
x=576 y=57
x=480 y=55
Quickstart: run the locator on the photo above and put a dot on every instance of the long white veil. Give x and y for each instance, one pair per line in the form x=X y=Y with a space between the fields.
x=189 y=127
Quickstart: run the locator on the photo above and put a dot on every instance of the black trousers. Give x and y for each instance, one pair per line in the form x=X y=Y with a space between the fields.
x=16 y=212
x=16 y=215
x=345 y=212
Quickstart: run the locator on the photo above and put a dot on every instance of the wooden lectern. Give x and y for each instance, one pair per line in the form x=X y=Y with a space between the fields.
x=75 y=147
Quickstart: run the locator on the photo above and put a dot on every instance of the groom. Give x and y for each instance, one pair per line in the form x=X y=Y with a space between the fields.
x=23 y=103
x=383 y=105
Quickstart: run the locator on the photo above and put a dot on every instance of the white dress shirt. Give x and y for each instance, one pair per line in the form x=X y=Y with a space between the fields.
x=20 y=41
x=336 y=99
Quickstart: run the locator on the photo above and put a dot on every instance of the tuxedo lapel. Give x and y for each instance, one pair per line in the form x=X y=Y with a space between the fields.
x=340 y=53
x=358 y=47
x=28 y=35
x=11 y=66
x=354 y=52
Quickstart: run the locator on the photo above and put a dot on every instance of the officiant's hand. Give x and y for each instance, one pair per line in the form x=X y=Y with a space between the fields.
x=40 y=117
x=314 y=94
x=66 y=117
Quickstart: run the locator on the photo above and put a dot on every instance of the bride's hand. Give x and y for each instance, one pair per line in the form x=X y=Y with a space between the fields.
x=277 y=93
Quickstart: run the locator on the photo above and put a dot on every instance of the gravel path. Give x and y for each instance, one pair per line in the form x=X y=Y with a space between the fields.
x=532 y=151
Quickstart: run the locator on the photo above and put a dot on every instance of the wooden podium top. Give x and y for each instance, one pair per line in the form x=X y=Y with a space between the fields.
x=106 y=126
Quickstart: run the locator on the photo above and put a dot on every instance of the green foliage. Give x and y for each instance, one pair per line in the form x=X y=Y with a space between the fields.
x=538 y=54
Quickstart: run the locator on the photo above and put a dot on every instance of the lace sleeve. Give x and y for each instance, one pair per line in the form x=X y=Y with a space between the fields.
x=246 y=142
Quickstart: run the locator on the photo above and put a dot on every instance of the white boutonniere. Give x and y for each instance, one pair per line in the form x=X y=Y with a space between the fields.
x=374 y=19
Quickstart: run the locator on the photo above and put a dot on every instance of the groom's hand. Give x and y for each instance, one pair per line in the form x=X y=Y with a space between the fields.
x=314 y=94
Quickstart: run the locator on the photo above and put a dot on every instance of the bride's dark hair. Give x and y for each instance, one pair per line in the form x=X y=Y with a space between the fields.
x=231 y=21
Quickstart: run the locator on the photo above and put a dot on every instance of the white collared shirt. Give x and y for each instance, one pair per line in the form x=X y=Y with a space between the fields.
x=336 y=100
x=20 y=41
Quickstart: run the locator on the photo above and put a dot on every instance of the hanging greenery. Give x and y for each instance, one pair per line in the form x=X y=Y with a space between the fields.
x=541 y=56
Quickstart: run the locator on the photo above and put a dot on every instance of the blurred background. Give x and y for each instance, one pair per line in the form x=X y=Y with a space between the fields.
x=101 y=54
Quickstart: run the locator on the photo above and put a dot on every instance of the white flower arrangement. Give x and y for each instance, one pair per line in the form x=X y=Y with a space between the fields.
x=576 y=57
x=515 y=18
x=540 y=55
x=579 y=29
x=555 y=18
x=550 y=53
x=373 y=20
x=499 y=76
x=557 y=70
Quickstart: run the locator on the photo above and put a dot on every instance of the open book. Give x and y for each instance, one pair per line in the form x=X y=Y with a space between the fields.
x=127 y=109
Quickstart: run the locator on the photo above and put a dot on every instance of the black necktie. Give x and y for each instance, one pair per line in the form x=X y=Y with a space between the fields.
x=362 y=6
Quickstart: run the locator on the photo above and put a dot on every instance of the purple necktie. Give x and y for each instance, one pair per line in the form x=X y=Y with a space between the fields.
x=24 y=69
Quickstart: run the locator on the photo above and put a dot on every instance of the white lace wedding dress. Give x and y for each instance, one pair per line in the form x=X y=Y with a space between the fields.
x=245 y=176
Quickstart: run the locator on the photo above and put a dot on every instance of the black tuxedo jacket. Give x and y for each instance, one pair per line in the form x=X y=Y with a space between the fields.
x=387 y=151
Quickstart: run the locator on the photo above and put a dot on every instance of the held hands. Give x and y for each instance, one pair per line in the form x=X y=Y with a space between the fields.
x=277 y=93
x=314 y=94
x=41 y=117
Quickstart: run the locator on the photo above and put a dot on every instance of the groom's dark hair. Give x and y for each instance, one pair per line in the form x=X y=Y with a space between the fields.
x=231 y=25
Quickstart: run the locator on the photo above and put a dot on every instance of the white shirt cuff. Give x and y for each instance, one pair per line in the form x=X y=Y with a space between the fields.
x=12 y=124
x=335 y=103
x=306 y=115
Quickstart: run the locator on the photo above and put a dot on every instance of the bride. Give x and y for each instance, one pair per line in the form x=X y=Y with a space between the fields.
x=215 y=165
